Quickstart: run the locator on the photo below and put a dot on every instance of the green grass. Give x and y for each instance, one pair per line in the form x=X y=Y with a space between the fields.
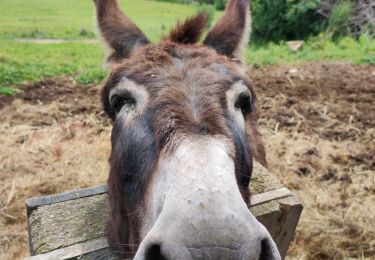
x=74 y=20
x=71 y=20
x=21 y=62
x=346 y=49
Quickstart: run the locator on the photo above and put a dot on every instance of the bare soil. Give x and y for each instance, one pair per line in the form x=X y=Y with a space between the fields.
x=318 y=123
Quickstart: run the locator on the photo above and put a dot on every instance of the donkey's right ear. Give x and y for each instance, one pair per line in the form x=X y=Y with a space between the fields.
x=117 y=30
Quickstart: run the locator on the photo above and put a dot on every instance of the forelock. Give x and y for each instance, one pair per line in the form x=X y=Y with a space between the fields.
x=189 y=31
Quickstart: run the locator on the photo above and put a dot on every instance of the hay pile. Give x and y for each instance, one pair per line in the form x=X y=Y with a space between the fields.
x=319 y=126
x=318 y=122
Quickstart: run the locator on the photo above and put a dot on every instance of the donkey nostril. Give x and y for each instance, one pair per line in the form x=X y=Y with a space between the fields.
x=267 y=250
x=154 y=253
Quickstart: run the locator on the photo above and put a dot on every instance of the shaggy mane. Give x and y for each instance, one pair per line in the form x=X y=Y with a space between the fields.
x=189 y=31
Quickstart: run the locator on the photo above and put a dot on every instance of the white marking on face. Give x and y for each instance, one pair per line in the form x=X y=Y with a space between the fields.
x=232 y=96
x=197 y=170
x=194 y=202
x=129 y=89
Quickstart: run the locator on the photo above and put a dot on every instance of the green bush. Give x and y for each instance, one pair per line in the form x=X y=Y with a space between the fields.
x=220 y=4
x=339 y=18
x=285 y=19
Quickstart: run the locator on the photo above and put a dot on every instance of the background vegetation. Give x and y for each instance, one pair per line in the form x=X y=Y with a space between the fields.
x=81 y=56
x=294 y=19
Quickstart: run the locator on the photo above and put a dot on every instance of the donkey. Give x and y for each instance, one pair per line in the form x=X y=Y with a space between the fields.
x=183 y=140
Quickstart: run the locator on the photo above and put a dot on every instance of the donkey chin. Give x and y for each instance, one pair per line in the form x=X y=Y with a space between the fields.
x=183 y=140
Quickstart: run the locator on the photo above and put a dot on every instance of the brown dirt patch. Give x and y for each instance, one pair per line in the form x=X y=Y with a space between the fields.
x=62 y=90
x=318 y=124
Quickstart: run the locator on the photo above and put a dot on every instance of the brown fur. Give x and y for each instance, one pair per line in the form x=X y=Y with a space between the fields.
x=187 y=85
x=158 y=60
x=189 y=31
x=254 y=136
x=227 y=34
x=120 y=33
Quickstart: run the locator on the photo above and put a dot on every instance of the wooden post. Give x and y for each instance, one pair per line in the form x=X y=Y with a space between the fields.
x=71 y=225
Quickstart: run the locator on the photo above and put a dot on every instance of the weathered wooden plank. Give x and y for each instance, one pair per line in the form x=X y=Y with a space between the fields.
x=97 y=248
x=58 y=223
x=67 y=223
x=33 y=203
x=280 y=217
x=262 y=180
x=269 y=195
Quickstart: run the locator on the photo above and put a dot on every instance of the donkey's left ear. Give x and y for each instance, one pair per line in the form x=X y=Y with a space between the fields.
x=231 y=33
x=118 y=31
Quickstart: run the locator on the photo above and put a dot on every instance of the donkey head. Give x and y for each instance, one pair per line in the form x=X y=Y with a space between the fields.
x=183 y=140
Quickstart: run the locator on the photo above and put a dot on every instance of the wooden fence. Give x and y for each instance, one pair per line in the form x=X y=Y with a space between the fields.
x=71 y=225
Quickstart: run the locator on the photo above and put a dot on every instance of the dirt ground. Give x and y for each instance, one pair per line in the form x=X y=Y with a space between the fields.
x=318 y=122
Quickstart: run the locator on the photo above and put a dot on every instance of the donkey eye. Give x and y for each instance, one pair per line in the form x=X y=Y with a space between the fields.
x=119 y=102
x=244 y=103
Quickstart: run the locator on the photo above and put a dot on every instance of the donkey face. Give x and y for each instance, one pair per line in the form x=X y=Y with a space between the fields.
x=184 y=135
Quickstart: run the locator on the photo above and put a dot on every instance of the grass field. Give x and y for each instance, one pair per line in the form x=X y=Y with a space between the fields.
x=361 y=51
x=74 y=21
x=70 y=20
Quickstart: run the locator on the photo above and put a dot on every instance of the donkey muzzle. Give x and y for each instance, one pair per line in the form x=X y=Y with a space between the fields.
x=195 y=209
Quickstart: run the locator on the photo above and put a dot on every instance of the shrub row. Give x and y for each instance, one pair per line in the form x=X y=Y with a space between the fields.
x=278 y=20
